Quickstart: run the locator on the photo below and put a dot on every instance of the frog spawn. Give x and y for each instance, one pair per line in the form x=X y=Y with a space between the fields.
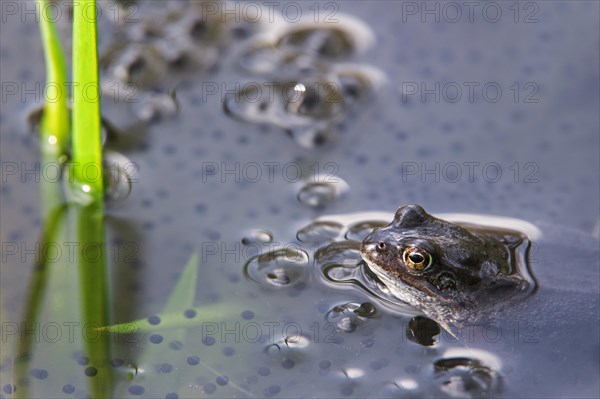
x=152 y=54
x=308 y=94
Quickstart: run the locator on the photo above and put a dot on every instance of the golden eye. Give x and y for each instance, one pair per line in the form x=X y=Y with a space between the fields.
x=417 y=259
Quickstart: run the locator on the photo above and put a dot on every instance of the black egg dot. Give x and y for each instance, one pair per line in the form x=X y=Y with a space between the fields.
x=209 y=388
x=154 y=320
x=251 y=379
x=68 y=389
x=288 y=364
x=91 y=371
x=375 y=365
x=175 y=345
x=156 y=339
x=190 y=313
x=347 y=391
x=165 y=368
x=9 y=389
x=193 y=360
x=222 y=380
x=208 y=341
x=264 y=371
x=39 y=374
x=247 y=315
x=228 y=351
x=136 y=389
x=300 y=286
x=324 y=364
x=117 y=362
x=171 y=395
x=274 y=389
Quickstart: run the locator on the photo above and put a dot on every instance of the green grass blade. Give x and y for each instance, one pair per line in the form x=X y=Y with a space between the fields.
x=184 y=292
x=87 y=180
x=55 y=126
x=87 y=148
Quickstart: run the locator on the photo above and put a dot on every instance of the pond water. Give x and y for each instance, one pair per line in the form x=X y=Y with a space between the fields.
x=491 y=112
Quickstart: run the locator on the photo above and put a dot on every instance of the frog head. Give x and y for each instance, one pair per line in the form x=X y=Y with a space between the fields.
x=436 y=266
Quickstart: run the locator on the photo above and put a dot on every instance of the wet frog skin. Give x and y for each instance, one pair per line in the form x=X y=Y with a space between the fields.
x=441 y=268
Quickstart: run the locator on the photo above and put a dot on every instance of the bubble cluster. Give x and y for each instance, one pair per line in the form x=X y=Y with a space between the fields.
x=307 y=92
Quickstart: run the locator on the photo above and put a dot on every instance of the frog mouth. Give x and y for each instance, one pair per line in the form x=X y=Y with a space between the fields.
x=397 y=287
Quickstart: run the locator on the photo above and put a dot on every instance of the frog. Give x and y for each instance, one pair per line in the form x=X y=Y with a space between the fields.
x=443 y=268
x=540 y=321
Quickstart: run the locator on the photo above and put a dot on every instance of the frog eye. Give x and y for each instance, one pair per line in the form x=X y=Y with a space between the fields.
x=417 y=259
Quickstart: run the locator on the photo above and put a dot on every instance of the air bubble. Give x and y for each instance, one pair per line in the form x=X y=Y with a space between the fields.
x=118 y=173
x=257 y=237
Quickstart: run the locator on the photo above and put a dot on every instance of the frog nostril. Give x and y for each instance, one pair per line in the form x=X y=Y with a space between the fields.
x=381 y=246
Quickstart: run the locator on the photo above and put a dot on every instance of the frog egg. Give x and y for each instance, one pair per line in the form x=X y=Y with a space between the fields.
x=319 y=233
x=319 y=100
x=466 y=377
x=345 y=253
x=339 y=261
x=278 y=268
x=306 y=115
x=358 y=231
x=141 y=65
x=152 y=106
x=357 y=81
x=318 y=194
x=263 y=59
x=318 y=41
x=346 y=37
x=349 y=316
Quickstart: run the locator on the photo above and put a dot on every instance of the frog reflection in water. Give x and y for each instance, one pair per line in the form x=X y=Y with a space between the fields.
x=441 y=268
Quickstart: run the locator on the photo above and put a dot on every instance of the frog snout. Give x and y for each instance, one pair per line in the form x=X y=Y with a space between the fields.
x=373 y=244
